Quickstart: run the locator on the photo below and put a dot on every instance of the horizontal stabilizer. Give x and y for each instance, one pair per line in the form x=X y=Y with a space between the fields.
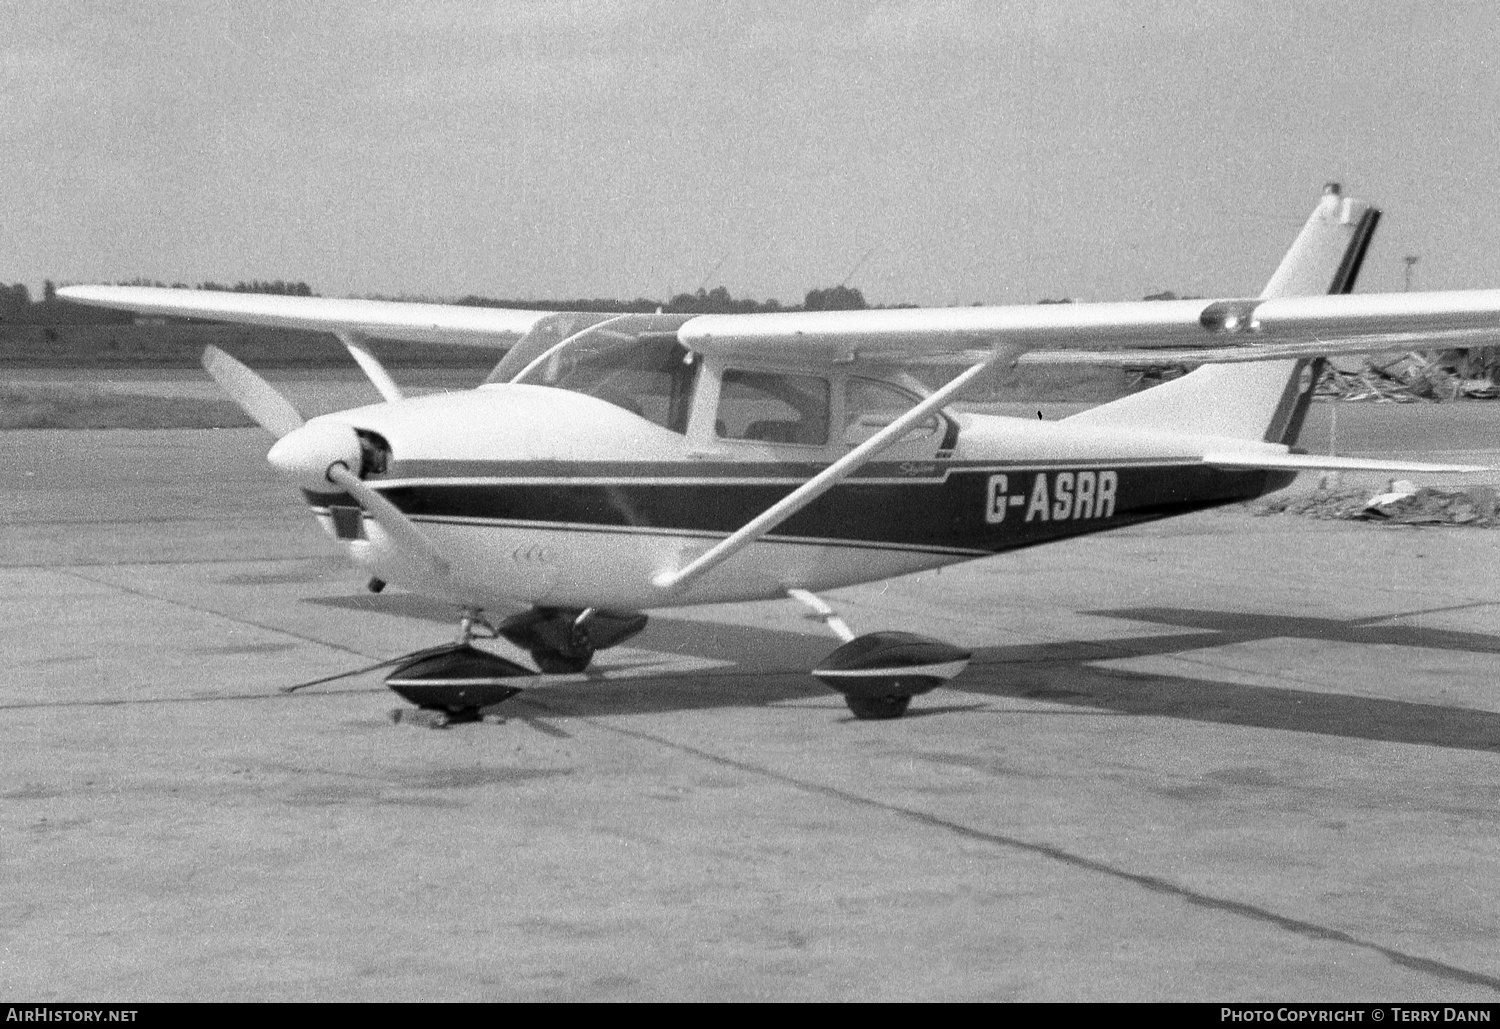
x=1317 y=462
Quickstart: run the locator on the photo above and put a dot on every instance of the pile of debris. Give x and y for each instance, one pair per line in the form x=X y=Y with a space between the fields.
x=1406 y=378
x=1402 y=504
x=1407 y=505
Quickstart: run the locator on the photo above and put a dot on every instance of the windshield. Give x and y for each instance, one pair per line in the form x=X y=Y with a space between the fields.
x=651 y=375
x=544 y=335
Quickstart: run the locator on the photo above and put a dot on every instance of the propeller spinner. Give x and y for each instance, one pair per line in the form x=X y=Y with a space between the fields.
x=307 y=456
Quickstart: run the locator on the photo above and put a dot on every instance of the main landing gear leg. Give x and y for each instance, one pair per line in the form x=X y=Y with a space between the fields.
x=880 y=672
x=563 y=640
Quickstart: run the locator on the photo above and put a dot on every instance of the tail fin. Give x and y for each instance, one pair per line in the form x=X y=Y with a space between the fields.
x=1266 y=400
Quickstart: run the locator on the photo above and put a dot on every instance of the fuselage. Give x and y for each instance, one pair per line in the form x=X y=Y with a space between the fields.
x=549 y=496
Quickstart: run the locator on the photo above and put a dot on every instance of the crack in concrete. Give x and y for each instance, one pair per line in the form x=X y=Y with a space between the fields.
x=210 y=611
x=1152 y=883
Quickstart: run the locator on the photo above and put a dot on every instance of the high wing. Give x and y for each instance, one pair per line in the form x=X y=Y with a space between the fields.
x=1192 y=331
x=1185 y=331
x=488 y=327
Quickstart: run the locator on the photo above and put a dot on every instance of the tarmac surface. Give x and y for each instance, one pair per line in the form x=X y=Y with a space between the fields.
x=1219 y=758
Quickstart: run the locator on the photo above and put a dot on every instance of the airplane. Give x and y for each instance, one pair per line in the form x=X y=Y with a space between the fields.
x=613 y=464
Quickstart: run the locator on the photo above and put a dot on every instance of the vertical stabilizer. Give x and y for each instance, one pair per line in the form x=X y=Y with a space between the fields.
x=1266 y=400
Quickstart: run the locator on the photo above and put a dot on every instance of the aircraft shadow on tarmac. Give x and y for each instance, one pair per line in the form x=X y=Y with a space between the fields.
x=770 y=666
x=1066 y=673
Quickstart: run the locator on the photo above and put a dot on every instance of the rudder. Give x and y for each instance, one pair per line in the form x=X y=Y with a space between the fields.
x=1262 y=400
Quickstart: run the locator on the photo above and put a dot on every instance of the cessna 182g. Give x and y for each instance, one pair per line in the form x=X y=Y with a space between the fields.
x=613 y=464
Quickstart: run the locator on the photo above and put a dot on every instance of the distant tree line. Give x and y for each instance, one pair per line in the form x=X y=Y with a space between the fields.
x=705 y=301
x=279 y=288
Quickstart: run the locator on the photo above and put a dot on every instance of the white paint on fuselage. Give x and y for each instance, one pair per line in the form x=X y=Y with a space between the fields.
x=1033 y=442
x=502 y=565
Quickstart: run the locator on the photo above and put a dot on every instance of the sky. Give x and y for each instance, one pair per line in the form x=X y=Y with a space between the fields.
x=943 y=152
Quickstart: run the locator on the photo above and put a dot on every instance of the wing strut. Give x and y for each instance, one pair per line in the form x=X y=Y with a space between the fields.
x=370 y=364
x=823 y=612
x=829 y=477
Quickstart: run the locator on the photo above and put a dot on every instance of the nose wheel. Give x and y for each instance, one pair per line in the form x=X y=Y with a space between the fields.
x=876 y=709
x=458 y=682
x=563 y=662
x=455 y=682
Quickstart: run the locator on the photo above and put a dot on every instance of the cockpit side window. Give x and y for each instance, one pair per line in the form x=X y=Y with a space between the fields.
x=651 y=376
x=773 y=407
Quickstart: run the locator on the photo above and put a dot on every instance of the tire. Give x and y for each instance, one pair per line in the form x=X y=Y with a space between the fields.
x=878 y=708
x=555 y=662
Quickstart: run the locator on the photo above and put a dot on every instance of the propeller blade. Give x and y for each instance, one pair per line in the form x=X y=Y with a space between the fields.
x=397 y=526
x=256 y=397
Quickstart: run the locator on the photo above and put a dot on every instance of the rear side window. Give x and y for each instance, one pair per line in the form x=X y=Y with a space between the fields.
x=871 y=405
x=772 y=407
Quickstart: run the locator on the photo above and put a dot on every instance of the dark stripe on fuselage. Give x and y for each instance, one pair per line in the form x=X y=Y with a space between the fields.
x=986 y=509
